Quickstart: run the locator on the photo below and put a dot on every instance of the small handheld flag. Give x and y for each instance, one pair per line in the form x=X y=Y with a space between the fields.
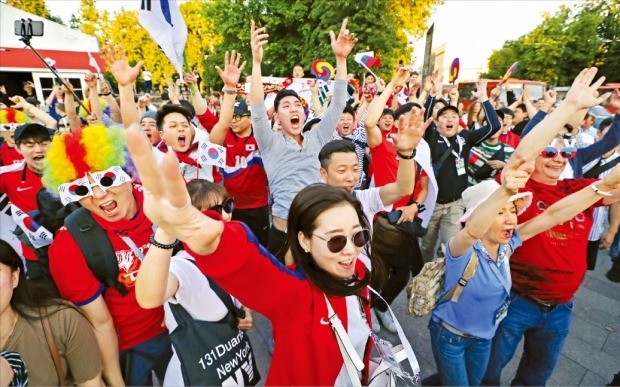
x=509 y=73
x=322 y=69
x=454 y=71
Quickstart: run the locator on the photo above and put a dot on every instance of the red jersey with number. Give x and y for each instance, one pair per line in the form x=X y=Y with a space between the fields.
x=245 y=178
x=9 y=155
x=551 y=265
x=78 y=284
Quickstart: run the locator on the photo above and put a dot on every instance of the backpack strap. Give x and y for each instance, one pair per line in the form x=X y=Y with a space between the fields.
x=96 y=248
x=470 y=270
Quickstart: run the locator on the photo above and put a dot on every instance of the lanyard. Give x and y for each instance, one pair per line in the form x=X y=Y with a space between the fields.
x=458 y=156
x=505 y=251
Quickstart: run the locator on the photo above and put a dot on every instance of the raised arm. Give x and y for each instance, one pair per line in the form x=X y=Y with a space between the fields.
x=155 y=284
x=529 y=107
x=93 y=97
x=230 y=76
x=258 y=40
x=484 y=215
x=20 y=103
x=125 y=76
x=106 y=93
x=410 y=132
x=317 y=108
x=572 y=205
x=375 y=109
x=579 y=96
x=71 y=108
x=199 y=103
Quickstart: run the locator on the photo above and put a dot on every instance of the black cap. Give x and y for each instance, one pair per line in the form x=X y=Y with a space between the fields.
x=241 y=108
x=446 y=108
x=31 y=129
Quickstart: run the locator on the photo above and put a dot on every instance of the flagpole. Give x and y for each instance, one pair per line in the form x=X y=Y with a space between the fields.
x=186 y=64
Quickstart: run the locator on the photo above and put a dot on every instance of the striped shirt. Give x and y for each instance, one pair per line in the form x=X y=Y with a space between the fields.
x=601 y=214
x=17 y=364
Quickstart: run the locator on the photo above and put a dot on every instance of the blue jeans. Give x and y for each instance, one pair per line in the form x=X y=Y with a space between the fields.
x=460 y=360
x=545 y=334
x=138 y=362
x=614 y=250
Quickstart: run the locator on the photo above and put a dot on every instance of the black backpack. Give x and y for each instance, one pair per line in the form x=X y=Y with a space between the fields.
x=90 y=237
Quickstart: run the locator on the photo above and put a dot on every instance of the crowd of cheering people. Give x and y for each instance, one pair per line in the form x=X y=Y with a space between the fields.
x=317 y=211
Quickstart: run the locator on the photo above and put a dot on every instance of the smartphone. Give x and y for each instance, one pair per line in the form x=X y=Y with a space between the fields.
x=28 y=27
x=393 y=216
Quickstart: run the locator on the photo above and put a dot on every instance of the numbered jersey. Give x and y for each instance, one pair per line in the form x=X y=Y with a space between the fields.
x=244 y=176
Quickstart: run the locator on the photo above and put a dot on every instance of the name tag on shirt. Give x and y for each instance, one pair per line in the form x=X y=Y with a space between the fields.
x=502 y=311
x=460 y=166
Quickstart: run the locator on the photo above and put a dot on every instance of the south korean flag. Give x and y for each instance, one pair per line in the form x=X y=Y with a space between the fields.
x=38 y=235
x=211 y=154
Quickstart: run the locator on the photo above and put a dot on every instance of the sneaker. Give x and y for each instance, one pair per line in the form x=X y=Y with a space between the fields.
x=376 y=327
x=614 y=273
x=386 y=320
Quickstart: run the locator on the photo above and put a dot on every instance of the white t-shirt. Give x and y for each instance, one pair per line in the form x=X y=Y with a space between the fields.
x=197 y=297
x=371 y=204
x=358 y=332
x=146 y=75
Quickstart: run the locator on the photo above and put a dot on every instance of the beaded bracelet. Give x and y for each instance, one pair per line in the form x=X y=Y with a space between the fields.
x=163 y=246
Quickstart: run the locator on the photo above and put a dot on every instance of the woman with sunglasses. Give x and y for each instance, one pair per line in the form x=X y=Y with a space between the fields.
x=327 y=230
x=165 y=279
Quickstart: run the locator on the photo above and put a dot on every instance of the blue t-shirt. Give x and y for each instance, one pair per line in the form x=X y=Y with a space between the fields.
x=483 y=295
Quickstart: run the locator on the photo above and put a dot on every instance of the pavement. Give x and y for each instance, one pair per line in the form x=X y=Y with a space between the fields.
x=591 y=355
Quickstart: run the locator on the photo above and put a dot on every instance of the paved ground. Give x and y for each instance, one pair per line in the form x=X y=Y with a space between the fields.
x=590 y=357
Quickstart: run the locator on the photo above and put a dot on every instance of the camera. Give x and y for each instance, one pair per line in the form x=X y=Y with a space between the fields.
x=28 y=28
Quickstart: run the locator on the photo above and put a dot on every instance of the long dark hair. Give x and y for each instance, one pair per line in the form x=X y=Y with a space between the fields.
x=28 y=296
x=307 y=206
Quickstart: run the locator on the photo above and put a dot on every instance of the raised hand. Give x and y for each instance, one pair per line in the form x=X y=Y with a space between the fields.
x=583 y=93
x=401 y=76
x=91 y=80
x=481 y=91
x=257 y=41
x=344 y=43
x=454 y=94
x=612 y=179
x=232 y=71
x=190 y=78
x=615 y=100
x=516 y=174
x=437 y=87
x=166 y=201
x=19 y=102
x=410 y=130
x=116 y=62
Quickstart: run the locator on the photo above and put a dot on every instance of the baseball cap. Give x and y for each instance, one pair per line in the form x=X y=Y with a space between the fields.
x=149 y=114
x=31 y=129
x=446 y=108
x=241 y=108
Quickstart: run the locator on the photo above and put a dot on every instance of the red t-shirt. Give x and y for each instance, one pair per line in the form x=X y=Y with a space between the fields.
x=244 y=175
x=21 y=185
x=551 y=265
x=384 y=165
x=9 y=155
x=78 y=284
x=510 y=138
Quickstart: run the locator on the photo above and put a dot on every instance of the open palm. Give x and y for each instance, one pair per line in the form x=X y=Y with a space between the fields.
x=116 y=62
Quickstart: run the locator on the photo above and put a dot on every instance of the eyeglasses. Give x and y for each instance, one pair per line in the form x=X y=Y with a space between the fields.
x=237 y=118
x=337 y=243
x=568 y=152
x=228 y=206
x=82 y=187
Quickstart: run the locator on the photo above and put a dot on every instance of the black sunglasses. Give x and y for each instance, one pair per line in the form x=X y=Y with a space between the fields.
x=336 y=243
x=228 y=205
x=568 y=152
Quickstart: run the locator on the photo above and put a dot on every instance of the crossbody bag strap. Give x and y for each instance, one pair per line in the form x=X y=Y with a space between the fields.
x=444 y=156
x=410 y=355
x=51 y=344
x=470 y=270
x=353 y=363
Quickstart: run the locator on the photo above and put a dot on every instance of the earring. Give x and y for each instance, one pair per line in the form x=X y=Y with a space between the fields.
x=306 y=251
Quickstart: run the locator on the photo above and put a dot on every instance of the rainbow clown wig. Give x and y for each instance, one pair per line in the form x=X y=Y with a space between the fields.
x=105 y=108
x=13 y=116
x=92 y=149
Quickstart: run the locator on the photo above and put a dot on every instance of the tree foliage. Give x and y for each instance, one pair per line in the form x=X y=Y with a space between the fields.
x=36 y=7
x=564 y=43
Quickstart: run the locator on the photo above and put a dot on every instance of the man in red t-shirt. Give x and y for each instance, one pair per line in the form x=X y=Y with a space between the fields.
x=8 y=152
x=21 y=181
x=547 y=269
x=81 y=171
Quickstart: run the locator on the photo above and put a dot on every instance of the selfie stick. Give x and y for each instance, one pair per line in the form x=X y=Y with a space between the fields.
x=26 y=35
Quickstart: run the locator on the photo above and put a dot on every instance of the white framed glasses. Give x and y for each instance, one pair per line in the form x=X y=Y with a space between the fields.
x=82 y=187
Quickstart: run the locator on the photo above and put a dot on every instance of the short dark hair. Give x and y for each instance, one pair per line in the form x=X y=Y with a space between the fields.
x=165 y=95
x=387 y=112
x=309 y=124
x=189 y=106
x=604 y=124
x=348 y=109
x=305 y=209
x=522 y=107
x=405 y=109
x=171 y=108
x=282 y=94
x=336 y=146
x=200 y=191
